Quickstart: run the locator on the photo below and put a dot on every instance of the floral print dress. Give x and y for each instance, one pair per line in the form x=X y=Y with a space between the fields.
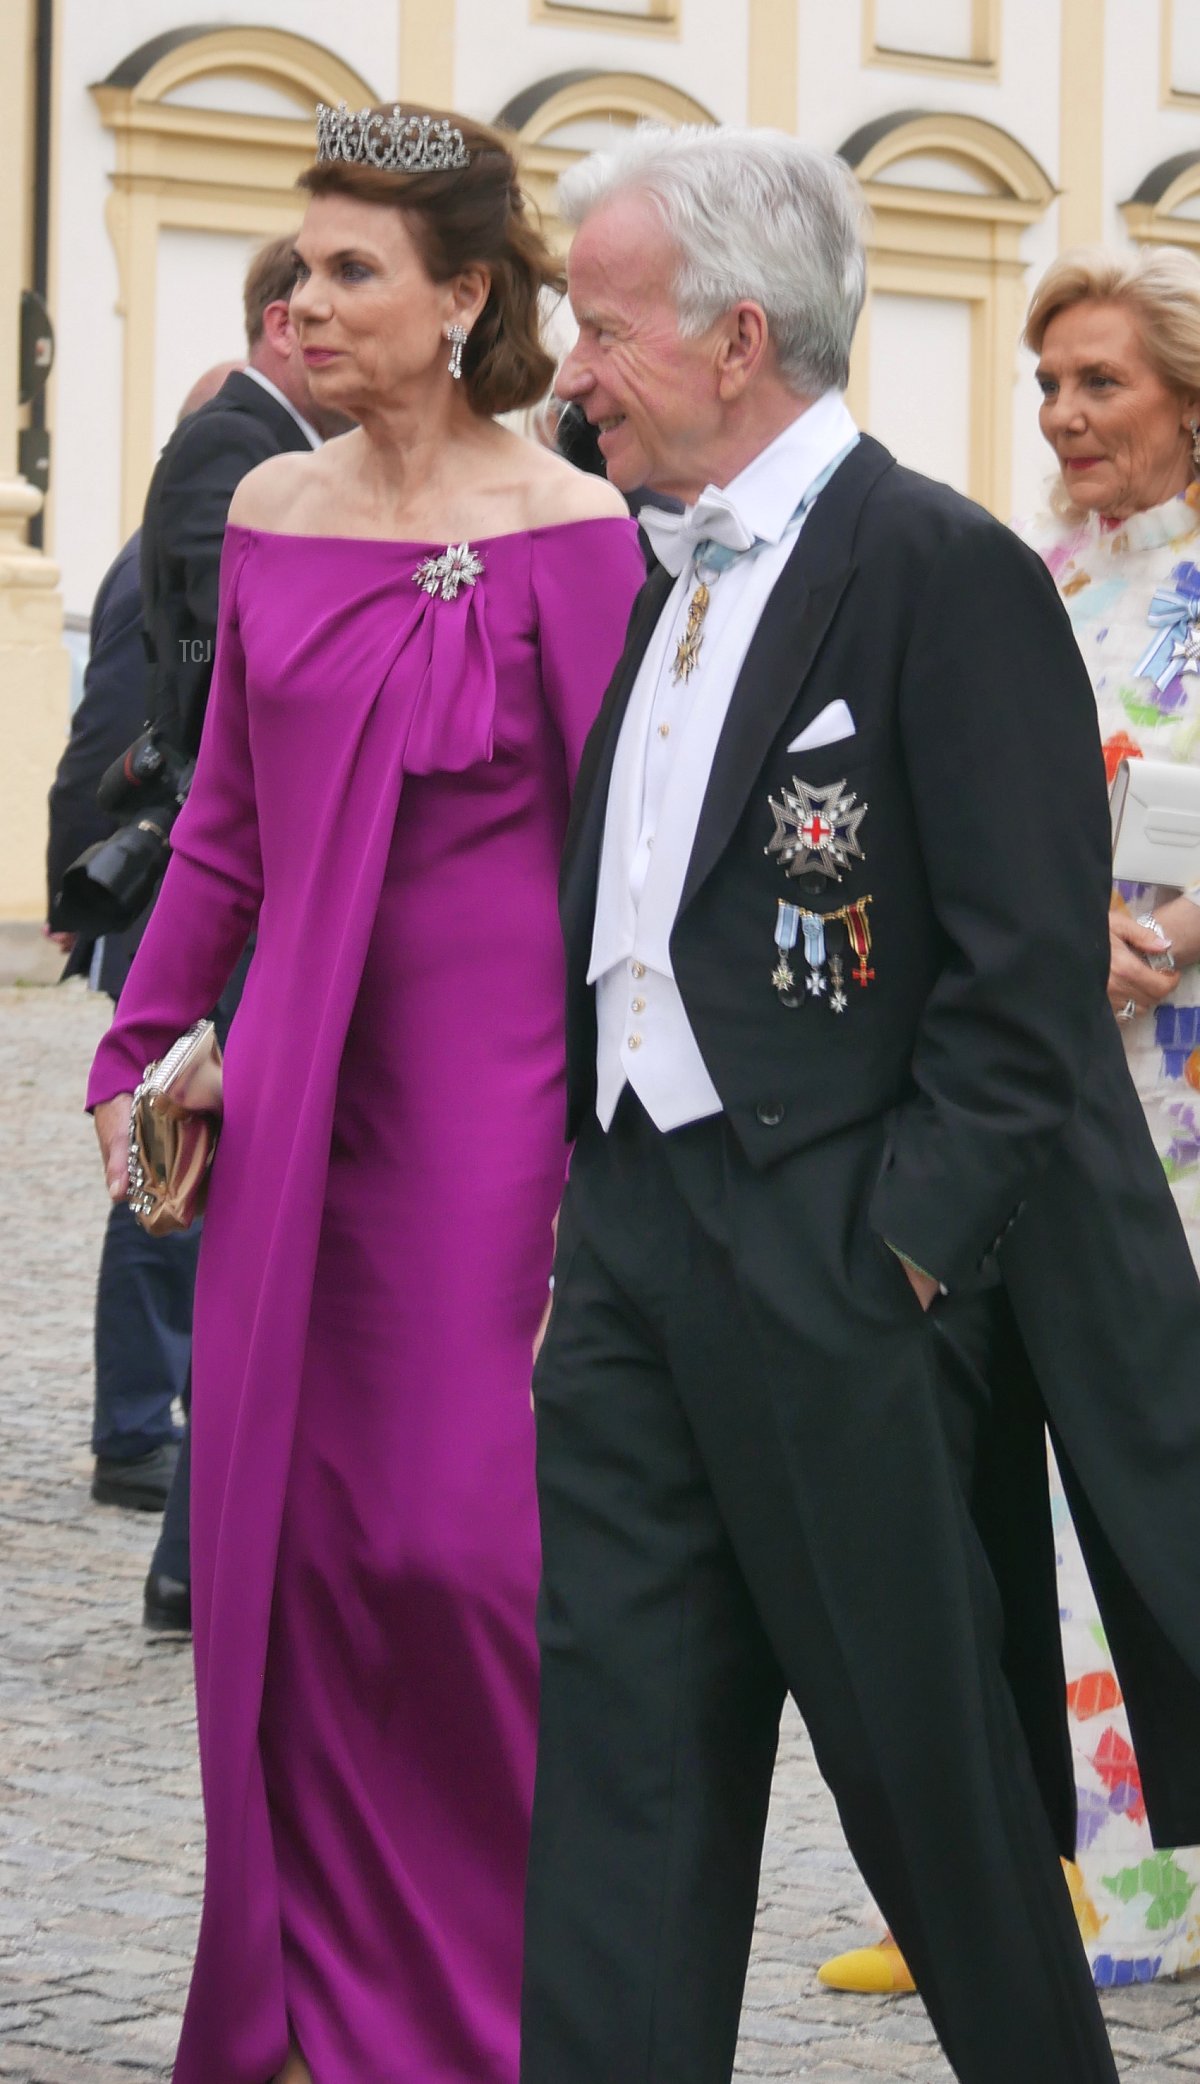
x=1133 y=591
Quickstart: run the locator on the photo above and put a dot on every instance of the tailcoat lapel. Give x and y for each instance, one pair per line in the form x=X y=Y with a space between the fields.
x=782 y=651
x=585 y=830
x=781 y=654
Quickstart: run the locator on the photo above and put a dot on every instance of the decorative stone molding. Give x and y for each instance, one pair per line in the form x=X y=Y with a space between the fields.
x=1171 y=95
x=960 y=241
x=35 y=679
x=200 y=169
x=34 y=667
x=658 y=18
x=553 y=105
x=981 y=62
x=1156 y=214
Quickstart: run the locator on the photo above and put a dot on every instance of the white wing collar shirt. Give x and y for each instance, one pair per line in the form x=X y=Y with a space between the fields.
x=664 y=759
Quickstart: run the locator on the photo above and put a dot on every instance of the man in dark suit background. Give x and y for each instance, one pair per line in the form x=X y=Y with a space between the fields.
x=111 y=712
x=261 y=410
x=143 y=1321
x=144 y=1284
x=156 y=633
x=853 y=1142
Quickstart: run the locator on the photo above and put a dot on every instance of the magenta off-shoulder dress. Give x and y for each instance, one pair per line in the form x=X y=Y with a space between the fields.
x=383 y=787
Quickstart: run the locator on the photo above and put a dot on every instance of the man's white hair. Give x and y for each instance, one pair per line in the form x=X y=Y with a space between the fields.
x=755 y=215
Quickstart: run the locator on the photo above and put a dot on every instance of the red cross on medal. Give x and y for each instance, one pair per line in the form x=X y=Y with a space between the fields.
x=816 y=829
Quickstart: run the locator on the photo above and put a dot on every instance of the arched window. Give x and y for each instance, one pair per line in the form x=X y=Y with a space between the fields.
x=1165 y=209
x=934 y=358
x=559 y=120
x=212 y=127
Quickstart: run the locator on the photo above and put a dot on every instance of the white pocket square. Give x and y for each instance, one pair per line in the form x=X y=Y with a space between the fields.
x=834 y=722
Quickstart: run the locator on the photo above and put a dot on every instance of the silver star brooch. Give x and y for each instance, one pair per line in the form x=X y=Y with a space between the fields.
x=457 y=566
x=816 y=829
x=1186 y=654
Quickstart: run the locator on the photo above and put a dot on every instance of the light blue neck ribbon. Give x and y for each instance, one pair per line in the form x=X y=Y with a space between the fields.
x=717 y=557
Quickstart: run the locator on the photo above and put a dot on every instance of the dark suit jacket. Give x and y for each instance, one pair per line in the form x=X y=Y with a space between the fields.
x=109 y=717
x=183 y=528
x=986 y=859
x=1012 y=1149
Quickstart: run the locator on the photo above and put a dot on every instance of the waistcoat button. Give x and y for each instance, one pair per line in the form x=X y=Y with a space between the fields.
x=770 y=1113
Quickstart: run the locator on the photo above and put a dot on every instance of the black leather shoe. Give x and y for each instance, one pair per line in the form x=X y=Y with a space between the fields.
x=168 y=1605
x=140 y=1485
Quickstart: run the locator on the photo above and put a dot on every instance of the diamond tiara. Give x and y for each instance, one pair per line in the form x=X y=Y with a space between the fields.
x=395 y=143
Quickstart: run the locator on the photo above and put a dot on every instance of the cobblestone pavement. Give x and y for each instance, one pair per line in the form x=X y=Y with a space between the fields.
x=100 y=1837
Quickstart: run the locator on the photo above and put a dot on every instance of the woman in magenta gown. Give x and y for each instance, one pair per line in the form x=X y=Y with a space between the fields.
x=417 y=625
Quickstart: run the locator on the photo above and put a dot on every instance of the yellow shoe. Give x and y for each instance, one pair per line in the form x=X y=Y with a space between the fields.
x=878 y=1971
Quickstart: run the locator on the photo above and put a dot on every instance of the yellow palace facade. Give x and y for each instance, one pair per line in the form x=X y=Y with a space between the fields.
x=147 y=150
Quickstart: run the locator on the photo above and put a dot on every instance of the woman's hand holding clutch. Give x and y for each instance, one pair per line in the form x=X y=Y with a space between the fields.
x=1133 y=987
x=112 y=1128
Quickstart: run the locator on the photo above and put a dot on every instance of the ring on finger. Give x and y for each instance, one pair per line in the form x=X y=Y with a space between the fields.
x=1128 y=1010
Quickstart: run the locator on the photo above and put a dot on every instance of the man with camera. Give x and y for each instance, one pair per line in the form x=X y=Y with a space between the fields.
x=144 y=1284
x=260 y=410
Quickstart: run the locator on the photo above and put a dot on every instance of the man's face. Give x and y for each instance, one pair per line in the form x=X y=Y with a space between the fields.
x=653 y=394
x=293 y=377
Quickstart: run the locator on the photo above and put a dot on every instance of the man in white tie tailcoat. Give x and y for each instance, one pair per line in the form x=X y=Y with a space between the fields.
x=839 y=1062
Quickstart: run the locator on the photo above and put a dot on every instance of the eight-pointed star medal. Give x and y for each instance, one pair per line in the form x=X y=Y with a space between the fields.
x=816 y=829
x=1186 y=655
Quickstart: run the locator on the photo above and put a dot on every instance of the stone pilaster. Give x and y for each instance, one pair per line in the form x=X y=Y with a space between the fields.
x=34 y=667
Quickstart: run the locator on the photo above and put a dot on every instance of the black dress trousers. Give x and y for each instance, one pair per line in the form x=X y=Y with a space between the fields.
x=754 y=1471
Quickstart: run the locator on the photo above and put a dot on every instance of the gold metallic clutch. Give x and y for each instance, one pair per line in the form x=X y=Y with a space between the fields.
x=173 y=1132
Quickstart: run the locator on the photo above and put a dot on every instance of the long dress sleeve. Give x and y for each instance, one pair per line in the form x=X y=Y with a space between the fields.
x=213 y=885
x=586 y=577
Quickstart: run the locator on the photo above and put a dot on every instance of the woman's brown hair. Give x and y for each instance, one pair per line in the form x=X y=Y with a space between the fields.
x=464 y=216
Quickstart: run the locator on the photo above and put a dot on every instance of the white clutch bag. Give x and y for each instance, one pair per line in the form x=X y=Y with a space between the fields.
x=1156 y=823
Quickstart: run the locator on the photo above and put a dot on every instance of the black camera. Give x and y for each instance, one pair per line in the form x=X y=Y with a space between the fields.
x=146 y=769
x=111 y=884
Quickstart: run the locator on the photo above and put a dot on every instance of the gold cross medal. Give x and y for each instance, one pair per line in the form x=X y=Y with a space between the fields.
x=687 y=651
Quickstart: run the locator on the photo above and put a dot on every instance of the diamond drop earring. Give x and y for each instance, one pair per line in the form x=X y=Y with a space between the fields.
x=458 y=337
x=1194 y=429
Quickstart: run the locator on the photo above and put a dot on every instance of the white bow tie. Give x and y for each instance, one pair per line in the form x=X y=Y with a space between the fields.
x=674 y=538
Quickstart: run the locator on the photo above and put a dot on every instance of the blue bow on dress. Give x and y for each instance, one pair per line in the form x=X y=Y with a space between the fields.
x=1175 y=613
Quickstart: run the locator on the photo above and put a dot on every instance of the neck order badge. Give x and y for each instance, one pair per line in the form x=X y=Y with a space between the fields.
x=712 y=557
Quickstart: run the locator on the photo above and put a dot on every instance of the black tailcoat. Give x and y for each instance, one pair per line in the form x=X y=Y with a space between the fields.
x=183 y=528
x=110 y=715
x=1011 y=1157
